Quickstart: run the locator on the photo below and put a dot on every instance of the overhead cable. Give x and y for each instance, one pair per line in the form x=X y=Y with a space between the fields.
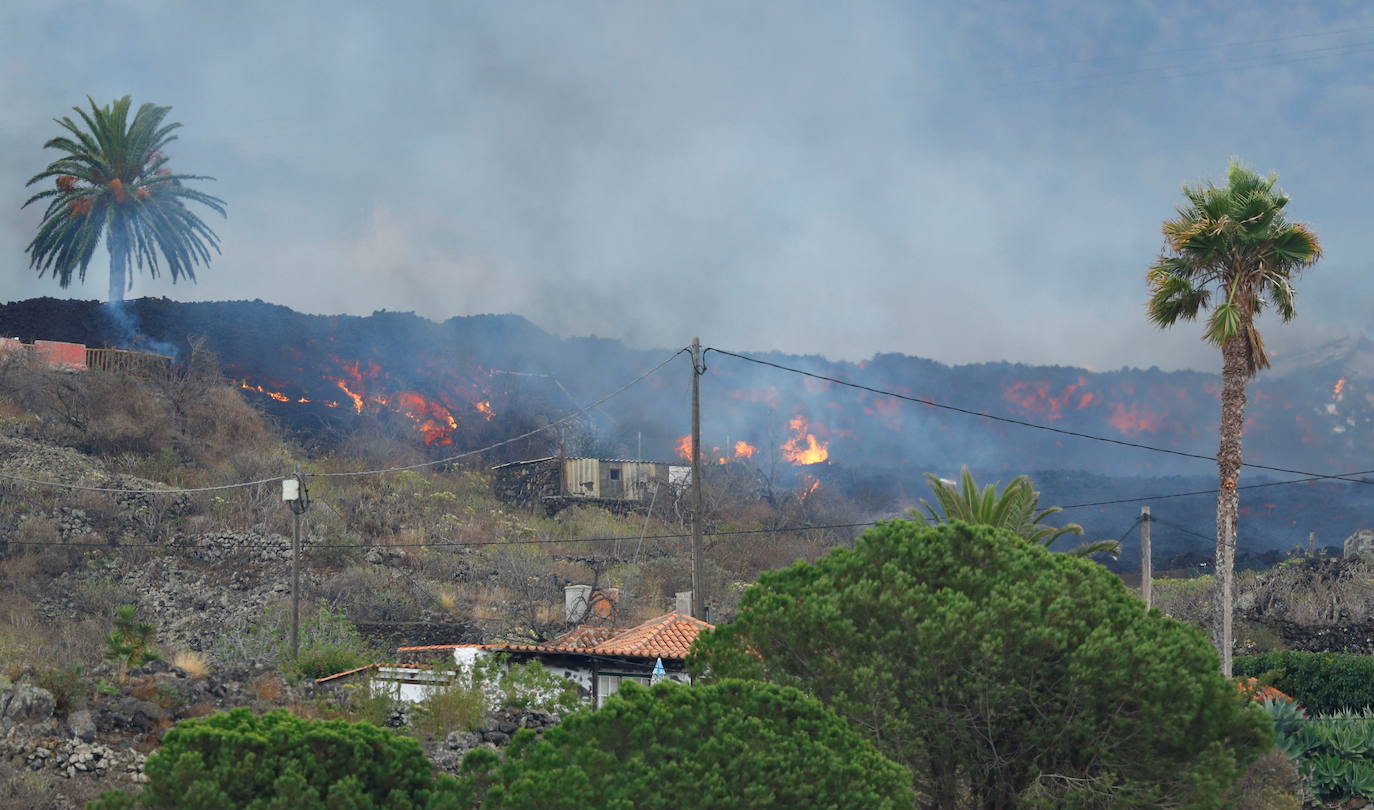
x=466 y=454
x=1023 y=423
x=276 y=479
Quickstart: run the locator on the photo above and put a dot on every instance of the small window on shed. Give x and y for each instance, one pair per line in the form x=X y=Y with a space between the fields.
x=615 y=475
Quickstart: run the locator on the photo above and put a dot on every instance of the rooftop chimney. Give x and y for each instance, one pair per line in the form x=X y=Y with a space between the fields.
x=576 y=602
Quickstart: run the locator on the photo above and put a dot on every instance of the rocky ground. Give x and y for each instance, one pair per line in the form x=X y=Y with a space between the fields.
x=64 y=757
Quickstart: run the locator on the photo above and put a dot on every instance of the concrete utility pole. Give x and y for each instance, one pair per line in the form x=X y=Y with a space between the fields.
x=698 y=565
x=294 y=493
x=1146 y=564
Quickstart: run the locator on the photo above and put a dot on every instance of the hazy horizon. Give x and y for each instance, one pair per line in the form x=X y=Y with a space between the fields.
x=962 y=182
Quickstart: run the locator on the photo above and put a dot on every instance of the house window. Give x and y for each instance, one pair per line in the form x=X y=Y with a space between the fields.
x=607 y=685
x=615 y=475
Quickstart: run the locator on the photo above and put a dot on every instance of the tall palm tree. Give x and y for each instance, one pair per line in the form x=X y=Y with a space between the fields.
x=1231 y=245
x=1017 y=508
x=113 y=180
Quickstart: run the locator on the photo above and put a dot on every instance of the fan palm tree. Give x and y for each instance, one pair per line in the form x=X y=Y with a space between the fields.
x=112 y=180
x=1016 y=507
x=1230 y=252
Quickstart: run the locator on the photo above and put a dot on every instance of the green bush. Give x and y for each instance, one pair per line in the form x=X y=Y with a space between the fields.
x=1321 y=682
x=734 y=744
x=456 y=706
x=526 y=685
x=131 y=643
x=999 y=673
x=329 y=643
x=277 y=760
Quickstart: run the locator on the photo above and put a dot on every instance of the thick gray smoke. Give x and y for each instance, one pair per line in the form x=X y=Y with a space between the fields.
x=964 y=181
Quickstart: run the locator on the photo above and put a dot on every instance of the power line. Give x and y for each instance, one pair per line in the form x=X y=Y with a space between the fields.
x=1023 y=423
x=450 y=543
x=1183 y=70
x=119 y=491
x=1193 y=49
x=1211 y=491
x=575 y=414
x=276 y=479
x=1184 y=529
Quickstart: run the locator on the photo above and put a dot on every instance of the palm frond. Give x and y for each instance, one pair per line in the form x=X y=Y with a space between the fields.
x=109 y=187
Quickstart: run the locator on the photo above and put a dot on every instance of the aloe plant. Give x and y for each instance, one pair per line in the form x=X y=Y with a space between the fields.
x=1334 y=752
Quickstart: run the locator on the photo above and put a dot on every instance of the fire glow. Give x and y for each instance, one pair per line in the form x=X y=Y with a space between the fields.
x=1340 y=386
x=803 y=448
x=1036 y=397
x=434 y=417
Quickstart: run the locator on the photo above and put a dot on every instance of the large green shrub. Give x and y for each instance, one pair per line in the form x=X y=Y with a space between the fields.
x=277 y=761
x=734 y=744
x=1322 y=682
x=999 y=673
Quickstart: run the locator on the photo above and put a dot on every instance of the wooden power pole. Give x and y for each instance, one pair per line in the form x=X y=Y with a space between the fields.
x=1146 y=564
x=698 y=565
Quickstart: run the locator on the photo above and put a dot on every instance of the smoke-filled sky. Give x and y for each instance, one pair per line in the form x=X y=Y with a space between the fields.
x=964 y=181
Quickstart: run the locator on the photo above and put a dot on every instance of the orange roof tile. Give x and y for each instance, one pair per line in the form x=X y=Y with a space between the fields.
x=668 y=636
x=583 y=635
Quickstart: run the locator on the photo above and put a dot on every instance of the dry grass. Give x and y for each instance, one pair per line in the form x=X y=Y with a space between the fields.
x=143 y=688
x=267 y=687
x=192 y=663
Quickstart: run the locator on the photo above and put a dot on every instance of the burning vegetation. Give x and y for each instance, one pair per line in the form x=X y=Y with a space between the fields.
x=369 y=389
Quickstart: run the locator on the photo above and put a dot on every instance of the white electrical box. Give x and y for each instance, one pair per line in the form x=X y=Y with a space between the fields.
x=290 y=489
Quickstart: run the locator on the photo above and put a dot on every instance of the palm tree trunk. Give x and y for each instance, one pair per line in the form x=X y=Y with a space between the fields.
x=1234 y=373
x=119 y=263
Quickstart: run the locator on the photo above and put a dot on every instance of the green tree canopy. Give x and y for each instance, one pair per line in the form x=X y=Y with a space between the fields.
x=1002 y=675
x=277 y=761
x=113 y=180
x=1016 y=508
x=733 y=744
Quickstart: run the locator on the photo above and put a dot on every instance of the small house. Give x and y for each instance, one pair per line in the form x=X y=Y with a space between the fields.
x=597 y=659
x=557 y=482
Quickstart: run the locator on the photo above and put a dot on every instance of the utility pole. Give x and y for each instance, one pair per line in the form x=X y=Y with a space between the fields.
x=1146 y=564
x=293 y=491
x=698 y=565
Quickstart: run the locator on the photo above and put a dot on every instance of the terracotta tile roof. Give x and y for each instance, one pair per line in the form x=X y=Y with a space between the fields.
x=328 y=678
x=669 y=636
x=583 y=635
